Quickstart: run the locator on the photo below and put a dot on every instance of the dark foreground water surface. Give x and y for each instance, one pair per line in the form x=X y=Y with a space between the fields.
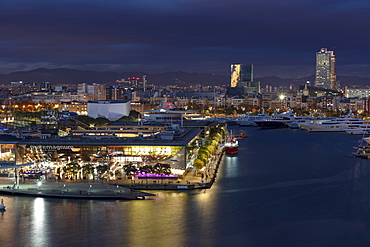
x=285 y=188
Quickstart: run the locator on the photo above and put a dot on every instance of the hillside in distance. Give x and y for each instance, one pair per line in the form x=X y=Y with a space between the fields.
x=73 y=77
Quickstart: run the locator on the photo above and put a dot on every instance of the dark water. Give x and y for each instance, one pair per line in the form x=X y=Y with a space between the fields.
x=285 y=188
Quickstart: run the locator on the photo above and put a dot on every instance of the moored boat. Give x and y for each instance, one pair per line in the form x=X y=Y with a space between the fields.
x=272 y=123
x=285 y=120
x=231 y=146
x=335 y=125
x=362 y=129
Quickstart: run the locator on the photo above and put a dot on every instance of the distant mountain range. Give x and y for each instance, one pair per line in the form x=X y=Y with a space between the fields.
x=73 y=77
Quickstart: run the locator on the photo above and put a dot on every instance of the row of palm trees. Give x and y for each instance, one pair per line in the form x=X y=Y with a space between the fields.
x=71 y=170
x=159 y=169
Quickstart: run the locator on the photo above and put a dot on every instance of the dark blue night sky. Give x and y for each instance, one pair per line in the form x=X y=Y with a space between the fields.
x=279 y=37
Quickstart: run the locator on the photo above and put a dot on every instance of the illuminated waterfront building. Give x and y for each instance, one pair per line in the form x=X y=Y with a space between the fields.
x=325 y=69
x=110 y=145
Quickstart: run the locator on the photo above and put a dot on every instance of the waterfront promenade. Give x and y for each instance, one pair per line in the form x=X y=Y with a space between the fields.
x=192 y=180
x=111 y=189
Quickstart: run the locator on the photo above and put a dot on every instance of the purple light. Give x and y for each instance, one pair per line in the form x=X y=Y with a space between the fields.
x=156 y=176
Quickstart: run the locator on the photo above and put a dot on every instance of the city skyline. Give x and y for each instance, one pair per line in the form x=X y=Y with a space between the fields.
x=192 y=36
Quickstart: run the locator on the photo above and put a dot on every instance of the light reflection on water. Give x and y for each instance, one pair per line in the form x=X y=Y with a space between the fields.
x=38 y=223
x=285 y=188
x=231 y=166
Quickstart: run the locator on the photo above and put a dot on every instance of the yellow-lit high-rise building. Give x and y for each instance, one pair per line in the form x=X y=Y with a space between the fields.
x=242 y=76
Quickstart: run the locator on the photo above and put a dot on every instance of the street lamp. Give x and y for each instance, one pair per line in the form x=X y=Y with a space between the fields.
x=281 y=97
x=39 y=183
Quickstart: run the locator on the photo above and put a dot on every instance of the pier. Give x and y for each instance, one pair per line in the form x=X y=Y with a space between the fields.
x=73 y=190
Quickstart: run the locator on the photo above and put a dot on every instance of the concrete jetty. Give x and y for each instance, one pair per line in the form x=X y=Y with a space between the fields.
x=73 y=190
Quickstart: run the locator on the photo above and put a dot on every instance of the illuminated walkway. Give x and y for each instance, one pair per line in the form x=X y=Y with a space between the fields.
x=189 y=182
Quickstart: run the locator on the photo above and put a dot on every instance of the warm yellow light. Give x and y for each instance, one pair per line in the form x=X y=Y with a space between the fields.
x=177 y=171
x=152 y=150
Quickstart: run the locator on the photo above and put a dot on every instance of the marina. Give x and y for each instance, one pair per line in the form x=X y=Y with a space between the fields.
x=185 y=123
x=259 y=197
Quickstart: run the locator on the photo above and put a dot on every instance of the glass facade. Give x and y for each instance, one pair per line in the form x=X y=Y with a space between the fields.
x=325 y=69
x=61 y=154
x=235 y=74
x=241 y=75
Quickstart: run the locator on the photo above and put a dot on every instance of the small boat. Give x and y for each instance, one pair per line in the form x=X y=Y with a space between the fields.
x=2 y=206
x=241 y=135
x=363 y=150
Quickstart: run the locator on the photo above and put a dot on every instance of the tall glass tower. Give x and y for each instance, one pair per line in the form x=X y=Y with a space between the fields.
x=325 y=69
x=241 y=75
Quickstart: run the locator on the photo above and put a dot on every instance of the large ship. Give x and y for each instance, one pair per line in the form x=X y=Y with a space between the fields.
x=278 y=121
x=231 y=145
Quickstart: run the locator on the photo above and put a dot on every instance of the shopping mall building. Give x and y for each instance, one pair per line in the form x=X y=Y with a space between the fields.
x=115 y=145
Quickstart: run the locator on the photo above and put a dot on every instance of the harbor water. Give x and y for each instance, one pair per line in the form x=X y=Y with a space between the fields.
x=284 y=188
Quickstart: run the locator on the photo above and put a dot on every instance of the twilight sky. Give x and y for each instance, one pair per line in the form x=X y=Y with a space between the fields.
x=279 y=37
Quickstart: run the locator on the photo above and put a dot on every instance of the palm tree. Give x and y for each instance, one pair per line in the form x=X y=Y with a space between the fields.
x=117 y=173
x=101 y=170
x=88 y=170
x=162 y=169
x=129 y=169
x=147 y=169
x=71 y=169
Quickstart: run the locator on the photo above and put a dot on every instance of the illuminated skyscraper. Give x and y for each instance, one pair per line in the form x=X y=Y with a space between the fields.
x=242 y=76
x=325 y=69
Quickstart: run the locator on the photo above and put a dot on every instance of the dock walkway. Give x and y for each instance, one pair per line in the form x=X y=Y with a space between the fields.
x=73 y=190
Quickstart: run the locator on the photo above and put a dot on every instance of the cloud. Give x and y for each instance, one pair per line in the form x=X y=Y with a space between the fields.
x=194 y=36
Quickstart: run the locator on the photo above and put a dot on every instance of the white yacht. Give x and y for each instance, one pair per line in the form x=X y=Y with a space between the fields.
x=335 y=125
x=362 y=129
x=285 y=120
x=311 y=120
x=249 y=120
